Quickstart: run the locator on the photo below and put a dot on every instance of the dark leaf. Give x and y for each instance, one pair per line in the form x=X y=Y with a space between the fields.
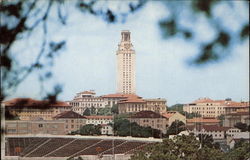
x=203 y=6
x=12 y=9
x=244 y=32
x=168 y=27
x=223 y=39
x=5 y=62
x=207 y=54
x=110 y=17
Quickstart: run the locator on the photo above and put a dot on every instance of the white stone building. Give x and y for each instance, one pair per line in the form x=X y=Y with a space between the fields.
x=125 y=65
x=86 y=99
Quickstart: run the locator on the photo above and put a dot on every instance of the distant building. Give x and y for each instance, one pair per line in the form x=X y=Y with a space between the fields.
x=239 y=136
x=150 y=119
x=217 y=132
x=125 y=65
x=210 y=108
x=172 y=116
x=72 y=120
x=30 y=109
x=55 y=127
x=106 y=129
x=135 y=104
x=237 y=113
x=97 y=119
x=113 y=99
x=203 y=121
x=86 y=99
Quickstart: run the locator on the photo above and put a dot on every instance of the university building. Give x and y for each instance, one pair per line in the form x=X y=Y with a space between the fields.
x=125 y=65
x=30 y=109
x=210 y=108
x=86 y=99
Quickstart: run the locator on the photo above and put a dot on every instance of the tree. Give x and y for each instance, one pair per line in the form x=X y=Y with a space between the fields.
x=86 y=112
x=241 y=126
x=104 y=111
x=180 y=148
x=122 y=127
x=90 y=129
x=239 y=152
x=176 y=107
x=190 y=115
x=175 y=128
x=114 y=109
x=221 y=118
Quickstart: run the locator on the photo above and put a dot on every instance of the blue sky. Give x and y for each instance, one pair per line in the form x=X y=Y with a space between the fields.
x=89 y=60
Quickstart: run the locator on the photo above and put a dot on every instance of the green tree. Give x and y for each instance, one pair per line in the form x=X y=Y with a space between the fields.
x=86 y=112
x=104 y=111
x=241 y=126
x=180 y=148
x=122 y=127
x=239 y=152
x=221 y=118
x=176 y=107
x=90 y=129
x=175 y=128
x=114 y=109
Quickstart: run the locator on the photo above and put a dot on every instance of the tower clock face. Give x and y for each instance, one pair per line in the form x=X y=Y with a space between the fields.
x=127 y=46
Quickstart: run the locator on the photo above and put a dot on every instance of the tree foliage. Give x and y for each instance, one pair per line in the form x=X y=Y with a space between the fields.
x=239 y=152
x=104 y=111
x=90 y=129
x=175 y=128
x=180 y=148
x=122 y=127
x=242 y=126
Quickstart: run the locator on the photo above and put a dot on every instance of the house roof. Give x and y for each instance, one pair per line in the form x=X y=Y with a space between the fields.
x=99 y=117
x=147 y=114
x=32 y=103
x=203 y=120
x=119 y=95
x=226 y=103
x=69 y=114
x=87 y=92
x=169 y=114
x=238 y=114
x=210 y=128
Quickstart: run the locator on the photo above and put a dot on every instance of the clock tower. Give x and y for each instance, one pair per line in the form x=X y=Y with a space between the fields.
x=125 y=65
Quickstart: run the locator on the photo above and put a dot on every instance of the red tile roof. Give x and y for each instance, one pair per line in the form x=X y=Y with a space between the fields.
x=227 y=103
x=119 y=95
x=208 y=128
x=99 y=117
x=87 y=92
x=203 y=120
x=69 y=114
x=147 y=114
x=239 y=113
x=168 y=114
x=32 y=103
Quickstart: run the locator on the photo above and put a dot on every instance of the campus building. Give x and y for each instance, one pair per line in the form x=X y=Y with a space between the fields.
x=207 y=107
x=30 y=109
x=125 y=65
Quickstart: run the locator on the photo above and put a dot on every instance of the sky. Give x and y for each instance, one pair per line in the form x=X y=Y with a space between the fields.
x=89 y=60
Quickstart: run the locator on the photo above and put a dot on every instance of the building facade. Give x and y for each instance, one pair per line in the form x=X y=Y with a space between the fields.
x=137 y=104
x=150 y=119
x=210 y=108
x=72 y=120
x=126 y=65
x=86 y=99
x=53 y=127
x=30 y=109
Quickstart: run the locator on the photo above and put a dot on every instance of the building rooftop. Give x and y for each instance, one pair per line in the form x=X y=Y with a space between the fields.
x=203 y=120
x=32 y=103
x=207 y=128
x=147 y=114
x=69 y=114
x=169 y=114
x=99 y=117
